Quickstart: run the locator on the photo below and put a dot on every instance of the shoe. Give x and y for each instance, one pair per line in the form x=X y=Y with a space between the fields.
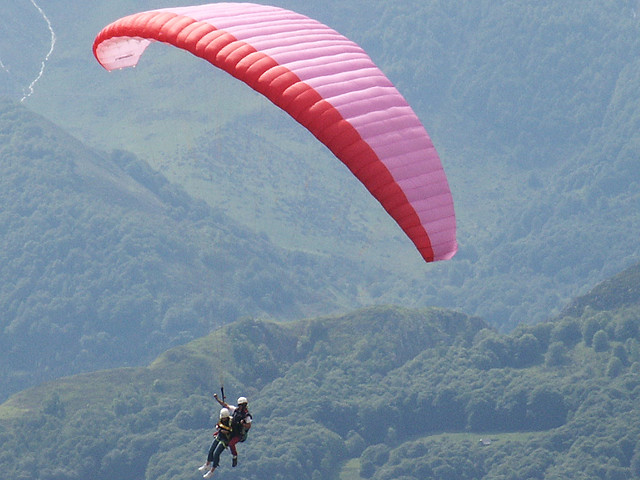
x=209 y=474
x=204 y=467
x=234 y=461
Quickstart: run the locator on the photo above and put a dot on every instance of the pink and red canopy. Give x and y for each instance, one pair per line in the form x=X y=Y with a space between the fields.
x=324 y=81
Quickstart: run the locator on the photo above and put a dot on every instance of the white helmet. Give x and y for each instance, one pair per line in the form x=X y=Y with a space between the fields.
x=242 y=400
x=224 y=413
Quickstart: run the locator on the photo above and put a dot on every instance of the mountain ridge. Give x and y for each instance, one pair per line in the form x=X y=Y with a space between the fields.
x=620 y=291
x=101 y=251
x=350 y=377
x=541 y=158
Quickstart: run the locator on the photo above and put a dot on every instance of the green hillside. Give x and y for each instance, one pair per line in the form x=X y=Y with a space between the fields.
x=532 y=106
x=379 y=393
x=168 y=212
x=620 y=291
x=105 y=263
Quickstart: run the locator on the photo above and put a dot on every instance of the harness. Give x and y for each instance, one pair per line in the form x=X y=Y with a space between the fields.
x=236 y=423
x=223 y=432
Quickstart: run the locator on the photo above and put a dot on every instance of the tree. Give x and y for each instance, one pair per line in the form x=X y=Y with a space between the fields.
x=355 y=444
x=556 y=355
x=600 y=341
x=621 y=353
x=589 y=328
x=627 y=327
x=542 y=331
x=527 y=350
x=481 y=414
x=54 y=406
x=546 y=409
x=614 y=367
x=568 y=331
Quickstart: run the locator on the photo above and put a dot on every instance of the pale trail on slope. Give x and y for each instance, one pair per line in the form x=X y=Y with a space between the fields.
x=46 y=58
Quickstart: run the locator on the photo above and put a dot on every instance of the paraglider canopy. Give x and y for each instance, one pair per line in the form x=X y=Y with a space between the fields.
x=324 y=81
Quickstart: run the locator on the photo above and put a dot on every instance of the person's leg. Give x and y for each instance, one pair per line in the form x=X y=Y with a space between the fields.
x=232 y=446
x=214 y=445
x=234 y=452
x=216 y=455
x=207 y=464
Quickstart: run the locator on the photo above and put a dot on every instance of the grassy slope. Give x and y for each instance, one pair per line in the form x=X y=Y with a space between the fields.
x=324 y=363
x=103 y=253
x=192 y=372
x=524 y=205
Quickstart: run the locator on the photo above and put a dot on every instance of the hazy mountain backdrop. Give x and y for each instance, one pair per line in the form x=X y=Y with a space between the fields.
x=533 y=107
x=382 y=393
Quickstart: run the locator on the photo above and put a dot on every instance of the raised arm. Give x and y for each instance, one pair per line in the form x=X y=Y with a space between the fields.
x=221 y=402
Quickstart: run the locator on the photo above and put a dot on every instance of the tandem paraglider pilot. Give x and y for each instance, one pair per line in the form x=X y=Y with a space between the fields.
x=232 y=427
x=240 y=424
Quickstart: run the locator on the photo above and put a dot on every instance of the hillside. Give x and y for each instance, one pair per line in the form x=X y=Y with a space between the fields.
x=105 y=263
x=533 y=107
x=380 y=393
x=619 y=292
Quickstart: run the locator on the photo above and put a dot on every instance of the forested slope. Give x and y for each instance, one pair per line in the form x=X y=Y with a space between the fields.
x=380 y=393
x=533 y=106
x=105 y=263
x=534 y=109
x=620 y=291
